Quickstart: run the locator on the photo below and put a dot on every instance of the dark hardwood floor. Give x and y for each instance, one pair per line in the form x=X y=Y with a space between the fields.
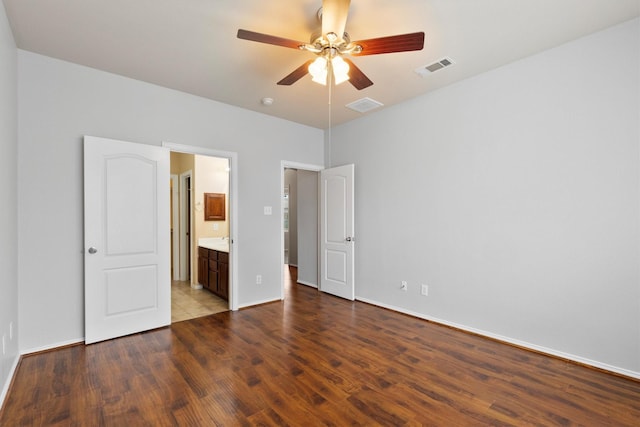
x=312 y=360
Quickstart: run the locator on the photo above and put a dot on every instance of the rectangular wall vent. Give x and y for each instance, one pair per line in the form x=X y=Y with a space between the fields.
x=432 y=68
x=363 y=105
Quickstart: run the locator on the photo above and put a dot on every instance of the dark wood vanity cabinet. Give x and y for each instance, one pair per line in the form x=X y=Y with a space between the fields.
x=203 y=267
x=213 y=271
x=223 y=275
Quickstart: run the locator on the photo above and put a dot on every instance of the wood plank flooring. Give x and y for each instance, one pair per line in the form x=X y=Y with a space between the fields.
x=312 y=359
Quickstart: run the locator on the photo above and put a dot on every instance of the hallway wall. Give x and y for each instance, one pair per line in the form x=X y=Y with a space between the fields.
x=291 y=237
x=308 y=225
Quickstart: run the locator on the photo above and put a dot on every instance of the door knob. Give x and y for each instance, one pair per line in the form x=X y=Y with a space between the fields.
x=348 y=239
x=92 y=250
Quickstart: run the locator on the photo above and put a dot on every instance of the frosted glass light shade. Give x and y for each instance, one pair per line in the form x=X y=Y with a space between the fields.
x=318 y=70
x=340 y=70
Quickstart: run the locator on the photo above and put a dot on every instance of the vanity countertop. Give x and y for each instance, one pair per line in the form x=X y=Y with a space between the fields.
x=216 y=243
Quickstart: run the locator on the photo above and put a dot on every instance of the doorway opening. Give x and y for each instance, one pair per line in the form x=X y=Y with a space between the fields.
x=334 y=264
x=300 y=225
x=201 y=285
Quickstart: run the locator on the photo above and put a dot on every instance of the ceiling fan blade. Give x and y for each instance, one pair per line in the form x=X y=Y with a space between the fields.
x=334 y=16
x=296 y=75
x=356 y=77
x=266 y=38
x=390 y=44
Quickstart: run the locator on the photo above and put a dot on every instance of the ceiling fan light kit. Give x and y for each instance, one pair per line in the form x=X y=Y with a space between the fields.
x=331 y=48
x=319 y=69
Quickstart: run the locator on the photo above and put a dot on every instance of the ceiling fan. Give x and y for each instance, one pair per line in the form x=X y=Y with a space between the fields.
x=332 y=44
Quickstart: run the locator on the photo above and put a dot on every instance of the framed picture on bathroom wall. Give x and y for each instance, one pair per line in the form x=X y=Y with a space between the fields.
x=214 y=206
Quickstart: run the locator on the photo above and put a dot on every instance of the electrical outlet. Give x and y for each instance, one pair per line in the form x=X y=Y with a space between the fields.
x=403 y=285
x=424 y=290
x=259 y=279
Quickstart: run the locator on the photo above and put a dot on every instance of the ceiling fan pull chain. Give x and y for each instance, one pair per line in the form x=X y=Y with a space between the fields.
x=330 y=94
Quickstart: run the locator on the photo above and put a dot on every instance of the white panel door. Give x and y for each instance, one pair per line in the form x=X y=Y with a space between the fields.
x=127 y=238
x=336 y=232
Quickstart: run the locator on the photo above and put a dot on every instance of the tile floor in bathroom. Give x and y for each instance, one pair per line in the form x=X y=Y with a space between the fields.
x=188 y=303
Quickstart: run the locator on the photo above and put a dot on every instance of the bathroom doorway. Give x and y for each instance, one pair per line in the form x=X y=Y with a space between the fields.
x=198 y=175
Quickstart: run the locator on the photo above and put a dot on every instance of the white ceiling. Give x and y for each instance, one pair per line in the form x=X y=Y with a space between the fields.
x=191 y=45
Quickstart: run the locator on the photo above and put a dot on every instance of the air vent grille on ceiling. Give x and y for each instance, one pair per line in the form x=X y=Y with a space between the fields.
x=363 y=105
x=432 y=68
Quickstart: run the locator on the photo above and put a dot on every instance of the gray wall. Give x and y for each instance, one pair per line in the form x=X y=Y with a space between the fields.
x=307 y=195
x=291 y=237
x=515 y=196
x=59 y=103
x=9 y=201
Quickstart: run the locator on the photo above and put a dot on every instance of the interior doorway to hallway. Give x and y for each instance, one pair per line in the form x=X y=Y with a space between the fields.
x=300 y=223
x=334 y=194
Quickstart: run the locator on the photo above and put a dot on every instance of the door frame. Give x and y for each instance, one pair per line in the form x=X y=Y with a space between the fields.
x=185 y=261
x=286 y=164
x=234 y=251
x=175 y=227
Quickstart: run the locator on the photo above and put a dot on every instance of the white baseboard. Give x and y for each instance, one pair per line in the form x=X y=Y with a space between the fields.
x=303 y=282
x=523 y=344
x=51 y=346
x=5 y=386
x=251 y=304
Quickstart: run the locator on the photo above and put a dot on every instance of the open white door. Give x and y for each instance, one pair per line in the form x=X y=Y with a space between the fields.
x=336 y=231
x=127 y=256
